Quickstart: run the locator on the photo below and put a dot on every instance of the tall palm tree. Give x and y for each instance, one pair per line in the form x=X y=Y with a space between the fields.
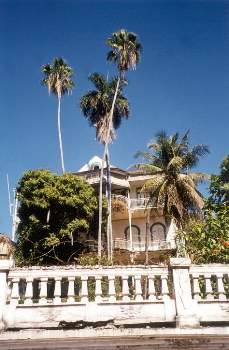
x=58 y=78
x=96 y=106
x=125 y=52
x=172 y=185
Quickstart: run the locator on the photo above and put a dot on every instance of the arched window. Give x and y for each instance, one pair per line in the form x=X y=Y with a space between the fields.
x=158 y=232
x=136 y=233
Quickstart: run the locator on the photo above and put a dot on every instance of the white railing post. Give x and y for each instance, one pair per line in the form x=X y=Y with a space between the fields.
x=164 y=287
x=138 y=288
x=151 y=292
x=43 y=291
x=71 y=290
x=111 y=291
x=125 y=288
x=84 y=289
x=15 y=291
x=98 y=288
x=29 y=291
x=221 y=290
x=196 y=286
x=57 y=290
x=209 y=294
x=5 y=266
x=186 y=307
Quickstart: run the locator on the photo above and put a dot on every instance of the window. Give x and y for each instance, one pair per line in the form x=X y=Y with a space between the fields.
x=136 y=233
x=158 y=232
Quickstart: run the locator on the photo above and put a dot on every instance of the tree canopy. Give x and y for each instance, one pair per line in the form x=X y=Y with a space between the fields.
x=96 y=105
x=172 y=185
x=207 y=240
x=54 y=212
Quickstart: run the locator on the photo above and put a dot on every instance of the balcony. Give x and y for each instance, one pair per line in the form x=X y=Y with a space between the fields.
x=134 y=203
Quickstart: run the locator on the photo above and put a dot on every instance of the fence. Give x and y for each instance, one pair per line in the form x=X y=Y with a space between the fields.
x=38 y=297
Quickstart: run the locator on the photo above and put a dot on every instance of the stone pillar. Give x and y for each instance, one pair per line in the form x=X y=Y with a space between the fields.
x=186 y=306
x=5 y=265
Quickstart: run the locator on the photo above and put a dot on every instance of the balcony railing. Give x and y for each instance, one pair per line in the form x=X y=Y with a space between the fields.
x=139 y=246
x=135 y=203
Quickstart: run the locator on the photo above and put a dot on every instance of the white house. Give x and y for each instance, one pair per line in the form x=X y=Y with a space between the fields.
x=129 y=209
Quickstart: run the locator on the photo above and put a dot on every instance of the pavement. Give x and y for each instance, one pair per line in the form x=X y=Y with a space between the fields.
x=203 y=338
x=125 y=343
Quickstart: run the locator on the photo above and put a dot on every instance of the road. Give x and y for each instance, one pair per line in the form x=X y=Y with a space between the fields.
x=192 y=342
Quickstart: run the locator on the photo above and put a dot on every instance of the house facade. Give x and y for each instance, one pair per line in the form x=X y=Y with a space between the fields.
x=130 y=208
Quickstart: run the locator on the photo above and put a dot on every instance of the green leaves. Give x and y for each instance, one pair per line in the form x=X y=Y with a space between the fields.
x=58 y=77
x=168 y=160
x=53 y=211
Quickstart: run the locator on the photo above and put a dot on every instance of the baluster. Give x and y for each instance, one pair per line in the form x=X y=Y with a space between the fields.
x=209 y=294
x=29 y=291
x=138 y=288
x=15 y=291
x=57 y=291
x=125 y=289
x=98 y=288
x=112 y=293
x=196 y=287
x=84 y=290
x=151 y=292
x=43 y=291
x=221 y=290
x=71 y=290
x=164 y=287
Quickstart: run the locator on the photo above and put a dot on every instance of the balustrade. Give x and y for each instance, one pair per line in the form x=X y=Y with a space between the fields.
x=40 y=287
x=213 y=285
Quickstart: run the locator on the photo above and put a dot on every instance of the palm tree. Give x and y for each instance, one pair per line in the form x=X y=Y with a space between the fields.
x=125 y=52
x=58 y=78
x=96 y=106
x=172 y=185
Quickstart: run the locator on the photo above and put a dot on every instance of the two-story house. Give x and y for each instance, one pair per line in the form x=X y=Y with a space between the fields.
x=129 y=209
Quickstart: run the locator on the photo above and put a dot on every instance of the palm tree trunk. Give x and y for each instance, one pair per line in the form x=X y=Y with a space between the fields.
x=60 y=137
x=101 y=206
x=101 y=173
x=109 y=223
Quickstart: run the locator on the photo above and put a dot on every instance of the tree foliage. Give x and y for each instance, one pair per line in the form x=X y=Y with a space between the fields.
x=96 y=105
x=54 y=211
x=172 y=185
x=207 y=241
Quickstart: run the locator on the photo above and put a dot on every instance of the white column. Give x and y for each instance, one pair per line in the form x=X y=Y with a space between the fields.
x=98 y=289
x=221 y=290
x=138 y=288
x=209 y=293
x=43 y=291
x=15 y=291
x=196 y=287
x=84 y=289
x=164 y=287
x=151 y=291
x=112 y=293
x=125 y=289
x=29 y=291
x=57 y=290
x=5 y=266
x=71 y=289
x=130 y=221
x=186 y=307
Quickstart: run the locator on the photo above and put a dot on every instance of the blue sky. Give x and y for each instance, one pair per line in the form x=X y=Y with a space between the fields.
x=181 y=83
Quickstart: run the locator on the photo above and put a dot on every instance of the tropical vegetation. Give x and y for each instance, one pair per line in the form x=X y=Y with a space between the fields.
x=57 y=214
x=172 y=185
x=207 y=240
x=58 y=79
